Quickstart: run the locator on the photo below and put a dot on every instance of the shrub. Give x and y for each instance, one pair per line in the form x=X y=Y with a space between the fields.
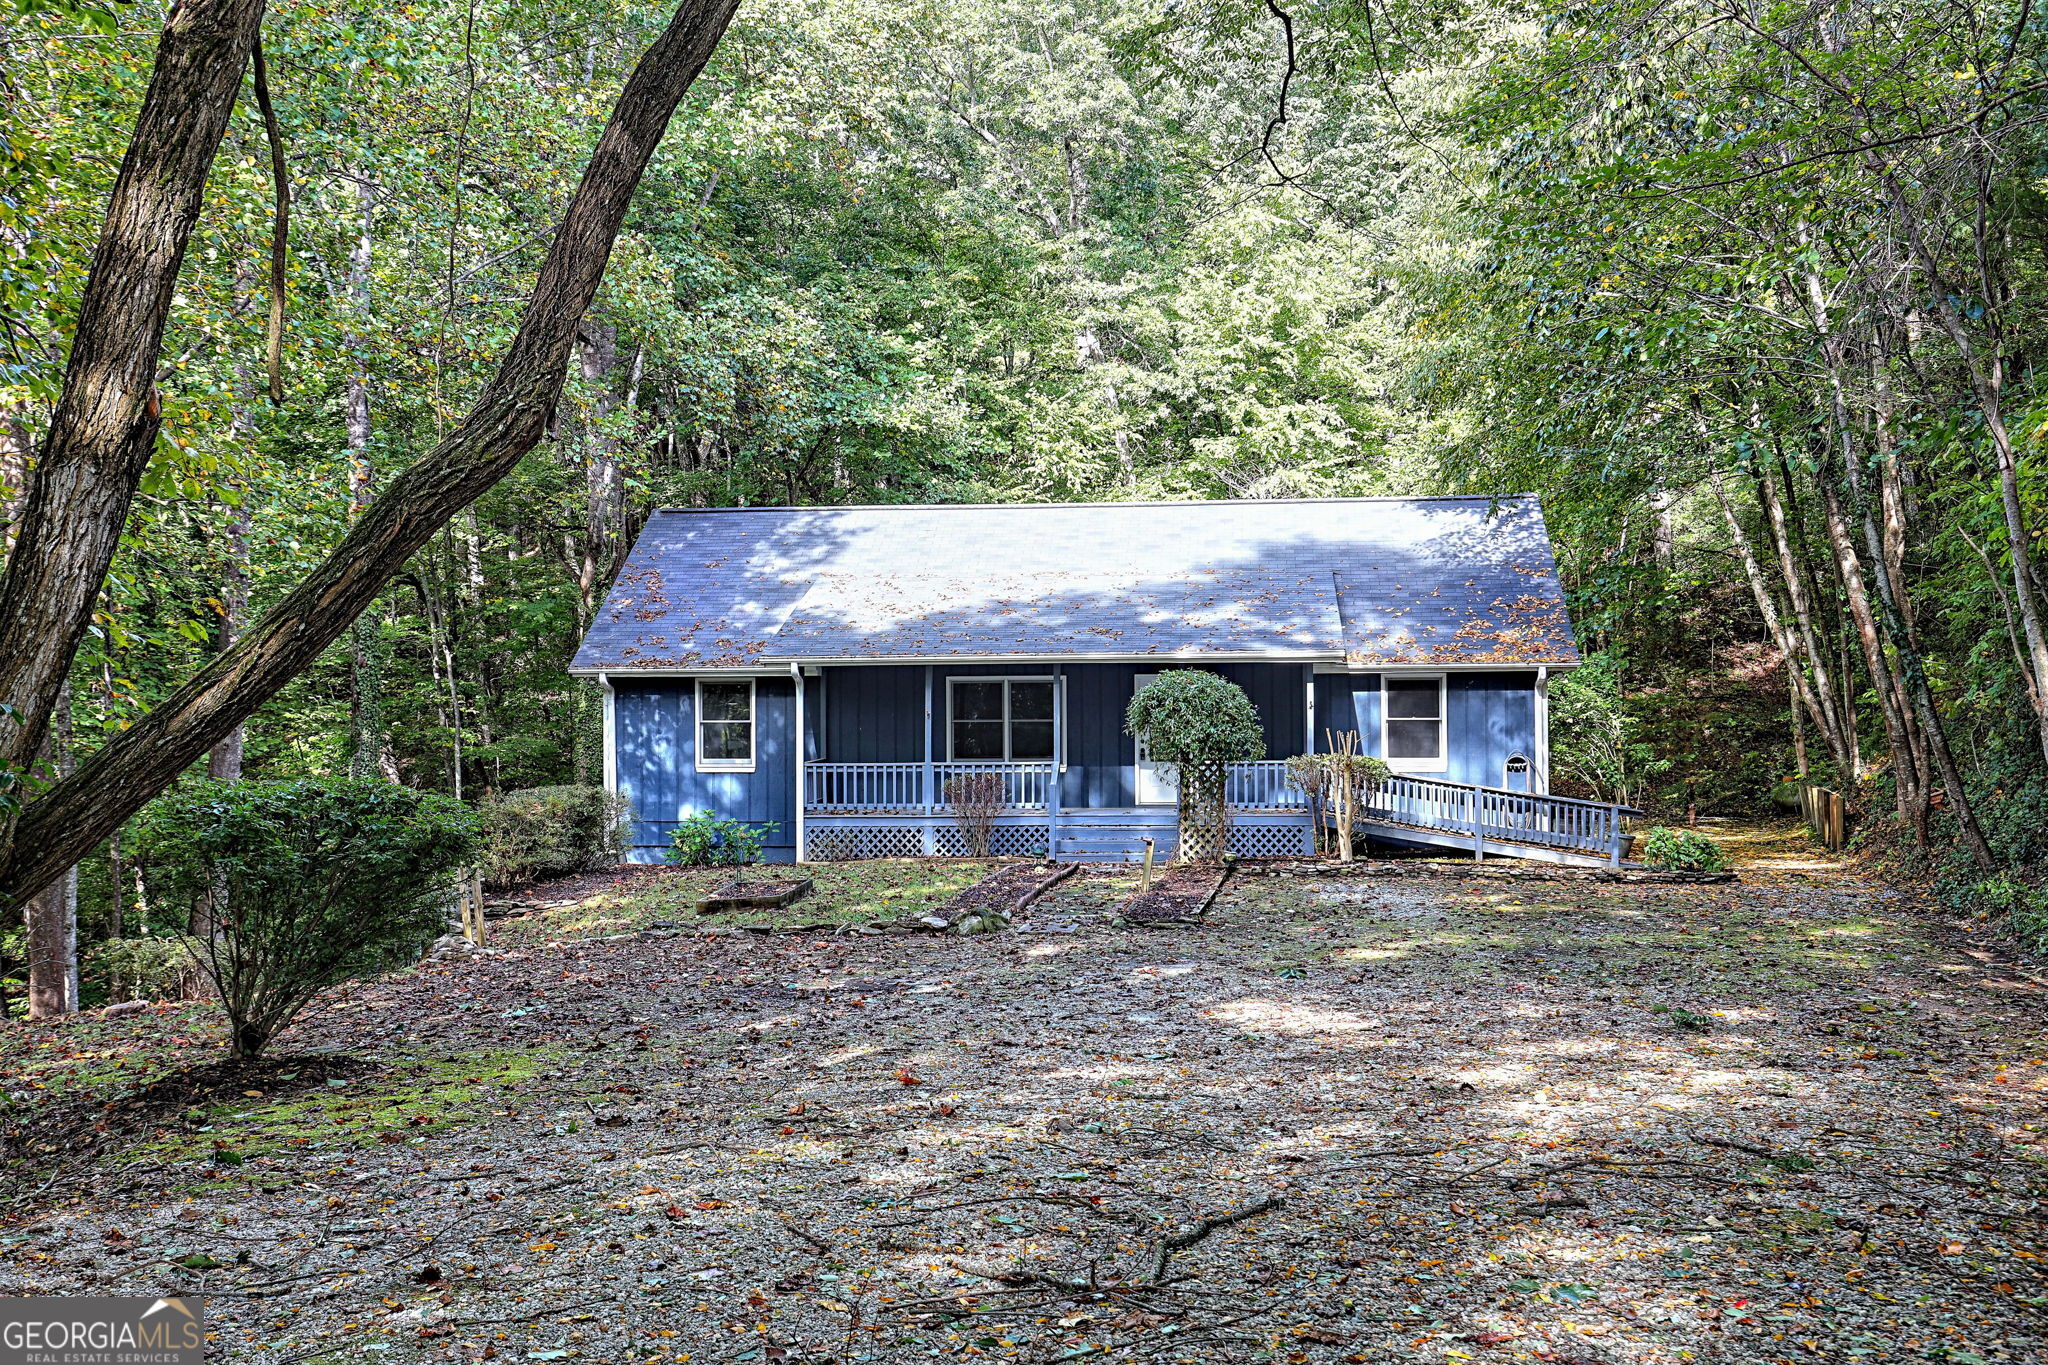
x=551 y=832
x=707 y=840
x=295 y=886
x=1338 y=785
x=2023 y=906
x=1681 y=850
x=975 y=800
x=1198 y=724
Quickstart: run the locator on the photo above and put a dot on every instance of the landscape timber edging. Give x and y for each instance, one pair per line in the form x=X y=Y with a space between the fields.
x=771 y=896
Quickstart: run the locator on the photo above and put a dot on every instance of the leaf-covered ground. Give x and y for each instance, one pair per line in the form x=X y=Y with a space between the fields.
x=641 y=898
x=1792 y=1119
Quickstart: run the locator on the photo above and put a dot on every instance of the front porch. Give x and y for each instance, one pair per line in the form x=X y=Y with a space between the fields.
x=899 y=810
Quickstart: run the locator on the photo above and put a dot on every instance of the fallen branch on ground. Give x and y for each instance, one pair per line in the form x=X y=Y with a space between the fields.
x=1194 y=1232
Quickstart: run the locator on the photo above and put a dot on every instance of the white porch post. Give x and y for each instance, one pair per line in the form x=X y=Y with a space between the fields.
x=611 y=734
x=931 y=837
x=1059 y=753
x=1542 y=782
x=796 y=675
x=1308 y=712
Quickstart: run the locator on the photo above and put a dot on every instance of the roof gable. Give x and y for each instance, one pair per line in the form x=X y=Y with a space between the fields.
x=1370 y=580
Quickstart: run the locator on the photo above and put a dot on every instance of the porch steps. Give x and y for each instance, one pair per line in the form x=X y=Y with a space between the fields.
x=1116 y=834
x=1114 y=846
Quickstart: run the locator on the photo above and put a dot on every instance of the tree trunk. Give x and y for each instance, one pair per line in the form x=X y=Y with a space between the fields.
x=2021 y=663
x=1849 y=566
x=369 y=741
x=1803 y=692
x=1838 y=729
x=224 y=761
x=596 y=558
x=105 y=425
x=53 y=914
x=508 y=418
x=598 y=356
x=1919 y=693
x=1986 y=369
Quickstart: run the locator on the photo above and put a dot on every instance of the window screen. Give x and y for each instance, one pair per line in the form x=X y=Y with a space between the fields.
x=978 y=721
x=1002 y=720
x=725 y=724
x=1415 y=720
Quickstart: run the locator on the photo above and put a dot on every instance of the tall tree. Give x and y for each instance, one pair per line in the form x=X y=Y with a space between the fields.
x=154 y=206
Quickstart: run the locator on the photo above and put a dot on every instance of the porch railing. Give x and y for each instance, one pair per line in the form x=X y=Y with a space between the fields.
x=919 y=788
x=915 y=788
x=1559 y=822
x=1261 y=786
x=1479 y=814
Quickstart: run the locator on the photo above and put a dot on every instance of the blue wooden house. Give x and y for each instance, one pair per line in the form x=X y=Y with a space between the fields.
x=824 y=672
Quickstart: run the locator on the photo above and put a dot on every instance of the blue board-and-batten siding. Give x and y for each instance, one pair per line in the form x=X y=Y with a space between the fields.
x=655 y=738
x=876 y=715
x=1490 y=718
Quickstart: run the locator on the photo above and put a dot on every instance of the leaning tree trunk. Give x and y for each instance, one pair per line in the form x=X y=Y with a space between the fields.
x=507 y=420
x=105 y=425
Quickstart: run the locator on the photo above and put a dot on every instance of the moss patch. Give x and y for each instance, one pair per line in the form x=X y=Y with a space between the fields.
x=405 y=1104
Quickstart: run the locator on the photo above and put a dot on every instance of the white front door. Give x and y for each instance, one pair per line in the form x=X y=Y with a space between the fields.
x=1156 y=784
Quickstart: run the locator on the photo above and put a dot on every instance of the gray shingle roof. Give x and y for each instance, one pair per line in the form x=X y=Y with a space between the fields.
x=1368 y=580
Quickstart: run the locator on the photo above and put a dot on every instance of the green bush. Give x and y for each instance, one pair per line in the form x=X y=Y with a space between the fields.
x=292 y=887
x=707 y=840
x=1681 y=850
x=2023 y=906
x=1198 y=723
x=551 y=832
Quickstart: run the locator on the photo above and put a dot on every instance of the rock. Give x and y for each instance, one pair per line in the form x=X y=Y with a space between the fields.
x=125 y=1007
x=936 y=923
x=450 y=946
x=1059 y=1123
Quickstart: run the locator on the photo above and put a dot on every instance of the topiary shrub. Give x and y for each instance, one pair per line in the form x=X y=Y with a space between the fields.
x=299 y=885
x=1681 y=850
x=1198 y=724
x=551 y=832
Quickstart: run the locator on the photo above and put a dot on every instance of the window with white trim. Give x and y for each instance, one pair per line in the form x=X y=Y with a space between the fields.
x=999 y=720
x=725 y=725
x=1412 y=722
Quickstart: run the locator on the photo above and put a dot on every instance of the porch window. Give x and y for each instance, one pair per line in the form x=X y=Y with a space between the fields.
x=1413 y=726
x=725 y=725
x=1000 y=720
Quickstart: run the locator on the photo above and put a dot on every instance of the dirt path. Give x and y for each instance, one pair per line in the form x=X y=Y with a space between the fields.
x=1785 y=1120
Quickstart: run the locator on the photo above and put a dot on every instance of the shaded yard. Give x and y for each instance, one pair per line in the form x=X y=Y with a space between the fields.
x=1790 y=1119
x=640 y=898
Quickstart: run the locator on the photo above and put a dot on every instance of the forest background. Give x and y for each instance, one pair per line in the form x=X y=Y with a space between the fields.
x=1749 y=293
